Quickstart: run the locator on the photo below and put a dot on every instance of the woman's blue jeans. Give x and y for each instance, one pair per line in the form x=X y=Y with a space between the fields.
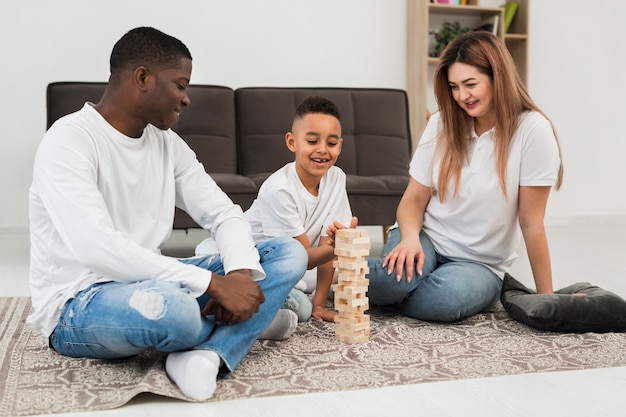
x=446 y=291
x=118 y=319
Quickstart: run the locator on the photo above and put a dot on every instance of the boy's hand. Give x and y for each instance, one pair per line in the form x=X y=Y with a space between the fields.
x=321 y=314
x=234 y=298
x=332 y=228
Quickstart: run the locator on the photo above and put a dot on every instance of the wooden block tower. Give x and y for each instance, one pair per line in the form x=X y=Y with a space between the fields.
x=352 y=246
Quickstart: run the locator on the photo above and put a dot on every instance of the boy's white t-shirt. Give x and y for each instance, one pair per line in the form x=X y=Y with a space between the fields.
x=284 y=207
x=479 y=224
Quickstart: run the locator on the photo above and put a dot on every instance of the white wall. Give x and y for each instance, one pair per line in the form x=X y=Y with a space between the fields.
x=577 y=58
x=352 y=43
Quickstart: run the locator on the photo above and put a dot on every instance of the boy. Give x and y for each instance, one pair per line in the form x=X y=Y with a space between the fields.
x=303 y=198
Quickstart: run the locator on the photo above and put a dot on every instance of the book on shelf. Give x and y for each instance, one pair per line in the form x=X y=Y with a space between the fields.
x=489 y=24
x=455 y=2
x=510 y=8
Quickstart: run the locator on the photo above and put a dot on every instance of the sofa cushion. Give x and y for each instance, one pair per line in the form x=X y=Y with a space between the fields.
x=597 y=311
x=377 y=185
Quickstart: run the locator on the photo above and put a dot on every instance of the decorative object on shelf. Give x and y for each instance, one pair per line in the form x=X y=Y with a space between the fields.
x=454 y=2
x=490 y=24
x=509 y=13
x=445 y=34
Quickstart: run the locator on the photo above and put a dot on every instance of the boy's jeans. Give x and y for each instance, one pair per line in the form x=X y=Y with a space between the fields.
x=446 y=291
x=117 y=319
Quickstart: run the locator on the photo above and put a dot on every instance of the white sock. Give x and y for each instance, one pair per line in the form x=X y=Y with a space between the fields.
x=194 y=371
x=283 y=325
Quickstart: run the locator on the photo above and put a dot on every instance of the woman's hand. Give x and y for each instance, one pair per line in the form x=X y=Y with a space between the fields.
x=404 y=256
x=408 y=253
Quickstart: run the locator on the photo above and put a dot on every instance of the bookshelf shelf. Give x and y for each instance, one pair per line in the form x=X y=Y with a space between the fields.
x=515 y=37
x=452 y=9
x=424 y=16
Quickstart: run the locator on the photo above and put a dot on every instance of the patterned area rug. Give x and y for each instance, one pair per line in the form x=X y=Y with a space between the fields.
x=36 y=380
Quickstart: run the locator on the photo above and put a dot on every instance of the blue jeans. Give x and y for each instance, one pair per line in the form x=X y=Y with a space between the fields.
x=446 y=291
x=119 y=319
x=299 y=303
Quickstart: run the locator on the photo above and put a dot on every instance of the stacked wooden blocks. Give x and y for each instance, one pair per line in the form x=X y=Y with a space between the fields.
x=352 y=246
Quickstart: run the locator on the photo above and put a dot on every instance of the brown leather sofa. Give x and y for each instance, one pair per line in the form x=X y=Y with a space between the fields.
x=239 y=137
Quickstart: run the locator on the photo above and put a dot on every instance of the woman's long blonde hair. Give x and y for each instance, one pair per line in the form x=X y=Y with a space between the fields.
x=488 y=54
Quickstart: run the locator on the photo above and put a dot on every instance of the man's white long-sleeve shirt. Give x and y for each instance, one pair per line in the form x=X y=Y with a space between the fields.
x=101 y=205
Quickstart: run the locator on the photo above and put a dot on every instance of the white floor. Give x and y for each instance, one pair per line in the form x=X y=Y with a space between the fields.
x=591 y=252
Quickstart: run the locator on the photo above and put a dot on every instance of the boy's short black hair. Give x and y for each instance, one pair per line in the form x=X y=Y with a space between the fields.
x=317 y=104
x=147 y=46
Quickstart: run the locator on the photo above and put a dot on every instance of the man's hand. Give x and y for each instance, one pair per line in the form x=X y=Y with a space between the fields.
x=234 y=298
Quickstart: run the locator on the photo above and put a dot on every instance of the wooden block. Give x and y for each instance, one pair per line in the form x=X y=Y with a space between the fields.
x=351 y=302
x=352 y=266
x=351 y=276
x=347 y=332
x=351 y=296
x=351 y=233
x=353 y=327
x=362 y=245
x=353 y=282
x=352 y=239
x=352 y=339
x=351 y=314
x=358 y=337
x=351 y=252
x=344 y=242
x=353 y=320
x=357 y=309
x=339 y=296
x=350 y=288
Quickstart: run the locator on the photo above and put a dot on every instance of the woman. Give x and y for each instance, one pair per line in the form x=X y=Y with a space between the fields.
x=480 y=179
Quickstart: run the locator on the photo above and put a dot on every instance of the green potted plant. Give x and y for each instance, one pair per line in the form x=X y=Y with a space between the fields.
x=445 y=34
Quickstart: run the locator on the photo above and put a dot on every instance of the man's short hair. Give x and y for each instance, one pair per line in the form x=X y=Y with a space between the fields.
x=317 y=104
x=149 y=47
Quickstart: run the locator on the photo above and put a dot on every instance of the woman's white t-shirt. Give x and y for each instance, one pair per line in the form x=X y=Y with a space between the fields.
x=480 y=224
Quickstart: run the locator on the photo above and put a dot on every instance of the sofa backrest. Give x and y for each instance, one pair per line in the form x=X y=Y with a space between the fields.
x=208 y=125
x=63 y=98
x=375 y=128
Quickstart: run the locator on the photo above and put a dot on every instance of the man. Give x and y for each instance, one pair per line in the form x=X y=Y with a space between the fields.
x=106 y=181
